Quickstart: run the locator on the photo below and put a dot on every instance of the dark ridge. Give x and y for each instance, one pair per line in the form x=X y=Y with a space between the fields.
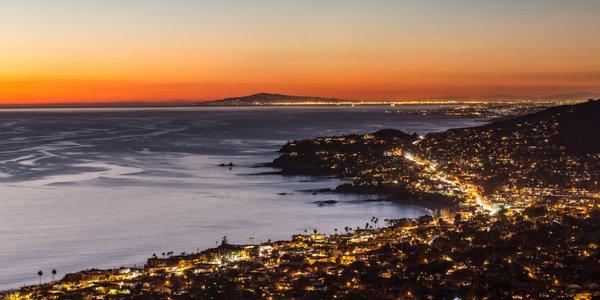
x=393 y=134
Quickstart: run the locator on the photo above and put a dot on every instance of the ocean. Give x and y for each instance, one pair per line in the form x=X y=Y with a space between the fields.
x=83 y=188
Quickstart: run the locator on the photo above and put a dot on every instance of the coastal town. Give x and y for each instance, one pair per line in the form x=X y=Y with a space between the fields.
x=516 y=215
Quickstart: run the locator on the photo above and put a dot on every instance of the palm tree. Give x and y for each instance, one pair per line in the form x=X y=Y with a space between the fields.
x=40 y=273
x=53 y=274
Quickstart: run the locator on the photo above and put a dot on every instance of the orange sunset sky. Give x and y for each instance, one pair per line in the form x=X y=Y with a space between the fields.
x=142 y=50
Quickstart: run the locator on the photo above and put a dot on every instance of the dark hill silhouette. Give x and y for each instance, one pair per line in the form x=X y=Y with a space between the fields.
x=270 y=99
x=393 y=133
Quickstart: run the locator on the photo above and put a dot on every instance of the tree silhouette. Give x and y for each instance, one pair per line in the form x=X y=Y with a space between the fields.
x=40 y=273
x=53 y=274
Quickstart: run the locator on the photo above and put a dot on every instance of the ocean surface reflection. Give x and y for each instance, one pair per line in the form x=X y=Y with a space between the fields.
x=109 y=187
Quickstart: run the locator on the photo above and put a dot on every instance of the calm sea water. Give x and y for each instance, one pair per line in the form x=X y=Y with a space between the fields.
x=110 y=187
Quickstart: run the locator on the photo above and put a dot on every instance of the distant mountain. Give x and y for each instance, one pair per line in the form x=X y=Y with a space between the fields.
x=272 y=99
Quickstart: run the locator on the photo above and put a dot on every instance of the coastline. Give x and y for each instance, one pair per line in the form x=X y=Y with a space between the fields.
x=155 y=261
x=222 y=256
x=429 y=206
x=302 y=213
x=444 y=255
x=429 y=201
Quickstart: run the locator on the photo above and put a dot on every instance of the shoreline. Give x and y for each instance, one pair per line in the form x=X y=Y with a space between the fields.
x=384 y=198
x=320 y=174
x=174 y=257
x=412 y=200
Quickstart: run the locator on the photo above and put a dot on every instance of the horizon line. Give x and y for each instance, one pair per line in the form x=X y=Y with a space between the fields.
x=191 y=102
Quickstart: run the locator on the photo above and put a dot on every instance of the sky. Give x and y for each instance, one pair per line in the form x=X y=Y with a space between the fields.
x=161 y=50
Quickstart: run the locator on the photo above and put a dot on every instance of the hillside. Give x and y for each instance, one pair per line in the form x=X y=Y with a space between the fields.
x=578 y=130
x=573 y=128
x=554 y=149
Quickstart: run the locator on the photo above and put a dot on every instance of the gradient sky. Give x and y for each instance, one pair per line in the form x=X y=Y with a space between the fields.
x=120 y=50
